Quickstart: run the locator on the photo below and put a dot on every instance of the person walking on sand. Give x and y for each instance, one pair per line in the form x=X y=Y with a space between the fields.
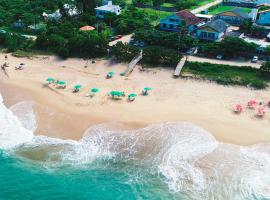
x=3 y=68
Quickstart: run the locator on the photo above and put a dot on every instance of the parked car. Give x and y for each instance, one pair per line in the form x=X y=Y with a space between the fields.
x=141 y=44
x=219 y=57
x=118 y=37
x=192 y=51
x=254 y=59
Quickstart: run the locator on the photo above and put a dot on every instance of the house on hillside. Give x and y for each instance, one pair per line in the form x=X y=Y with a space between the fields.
x=175 y=21
x=108 y=8
x=236 y=16
x=263 y=18
x=213 y=30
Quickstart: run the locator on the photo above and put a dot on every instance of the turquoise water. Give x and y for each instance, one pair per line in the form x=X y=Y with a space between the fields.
x=100 y=180
x=162 y=161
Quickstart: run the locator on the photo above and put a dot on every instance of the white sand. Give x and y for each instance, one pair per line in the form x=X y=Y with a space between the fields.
x=205 y=104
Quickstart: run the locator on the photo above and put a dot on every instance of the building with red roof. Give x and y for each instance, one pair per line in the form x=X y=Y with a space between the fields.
x=181 y=18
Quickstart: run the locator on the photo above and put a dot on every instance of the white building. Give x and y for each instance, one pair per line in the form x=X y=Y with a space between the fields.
x=109 y=8
x=71 y=11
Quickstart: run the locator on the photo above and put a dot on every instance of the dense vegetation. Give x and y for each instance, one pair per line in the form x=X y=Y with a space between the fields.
x=227 y=75
x=230 y=47
x=172 y=40
x=152 y=55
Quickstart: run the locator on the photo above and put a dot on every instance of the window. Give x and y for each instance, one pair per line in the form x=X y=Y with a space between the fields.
x=164 y=25
x=171 y=26
x=171 y=20
x=203 y=34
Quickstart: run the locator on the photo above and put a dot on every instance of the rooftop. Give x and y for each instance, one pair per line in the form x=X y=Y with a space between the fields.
x=189 y=17
x=108 y=7
x=218 y=25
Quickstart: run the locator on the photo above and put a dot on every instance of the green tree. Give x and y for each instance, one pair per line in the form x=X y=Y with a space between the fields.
x=132 y=19
x=265 y=68
x=234 y=46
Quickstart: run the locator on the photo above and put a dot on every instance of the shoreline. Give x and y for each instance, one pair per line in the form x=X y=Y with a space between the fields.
x=204 y=104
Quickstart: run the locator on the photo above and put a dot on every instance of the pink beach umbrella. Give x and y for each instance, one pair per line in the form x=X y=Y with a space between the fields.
x=252 y=104
x=238 y=108
x=261 y=112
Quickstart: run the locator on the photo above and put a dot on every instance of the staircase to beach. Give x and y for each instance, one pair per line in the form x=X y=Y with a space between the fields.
x=180 y=66
x=133 y=63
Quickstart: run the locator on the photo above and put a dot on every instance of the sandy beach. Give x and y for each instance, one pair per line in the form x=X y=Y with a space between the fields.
x=64 y=114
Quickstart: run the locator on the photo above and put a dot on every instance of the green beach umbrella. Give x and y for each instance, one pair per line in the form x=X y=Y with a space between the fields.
x=111 y=73
x=132 y=95
x=61 y=83
x=116 y=93
x=94 y=90
x=50 y=80
x=147 y=88
x=77 y=87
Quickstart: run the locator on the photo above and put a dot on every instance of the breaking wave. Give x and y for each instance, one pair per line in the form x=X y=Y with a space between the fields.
x=188 y=158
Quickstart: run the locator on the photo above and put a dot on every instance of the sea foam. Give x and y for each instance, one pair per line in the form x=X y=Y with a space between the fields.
x=186 y=157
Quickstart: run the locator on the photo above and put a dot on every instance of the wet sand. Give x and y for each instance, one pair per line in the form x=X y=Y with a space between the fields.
x=64 y=114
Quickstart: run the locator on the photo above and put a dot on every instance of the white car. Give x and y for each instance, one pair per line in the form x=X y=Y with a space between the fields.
x=254 y=59
x=219 y=57
x=3 y=31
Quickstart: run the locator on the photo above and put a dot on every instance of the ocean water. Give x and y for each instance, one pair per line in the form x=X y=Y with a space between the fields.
x=162 y=161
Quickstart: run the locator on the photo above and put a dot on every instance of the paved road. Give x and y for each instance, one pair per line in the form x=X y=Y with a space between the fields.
x=205 y=7
x=224 y=62
x=124 y=39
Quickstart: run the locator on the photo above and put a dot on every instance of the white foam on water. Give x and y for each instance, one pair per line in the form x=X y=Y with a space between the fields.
x=25 y=113
x=12 y=131
x=188 y=158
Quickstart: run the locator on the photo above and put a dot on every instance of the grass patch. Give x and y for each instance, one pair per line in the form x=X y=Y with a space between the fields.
x=201 y=3
x=220 y=8
x=226 y=74
x=156 y=15
x=28 y=54
x=167 y=5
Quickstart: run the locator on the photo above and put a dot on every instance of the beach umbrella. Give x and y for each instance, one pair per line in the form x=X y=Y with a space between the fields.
x=111 y=73
x=61 y=83
x=252 y=103
x=238 y=108
x=147 y=88
x=132 y=95
x=87 y=28
x=94 y=90
x=116 y=93
x=77 y=87
x=261 y=111
x=50 y=80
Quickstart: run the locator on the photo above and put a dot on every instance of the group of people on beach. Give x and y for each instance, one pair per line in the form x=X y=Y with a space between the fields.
x=5 y=65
